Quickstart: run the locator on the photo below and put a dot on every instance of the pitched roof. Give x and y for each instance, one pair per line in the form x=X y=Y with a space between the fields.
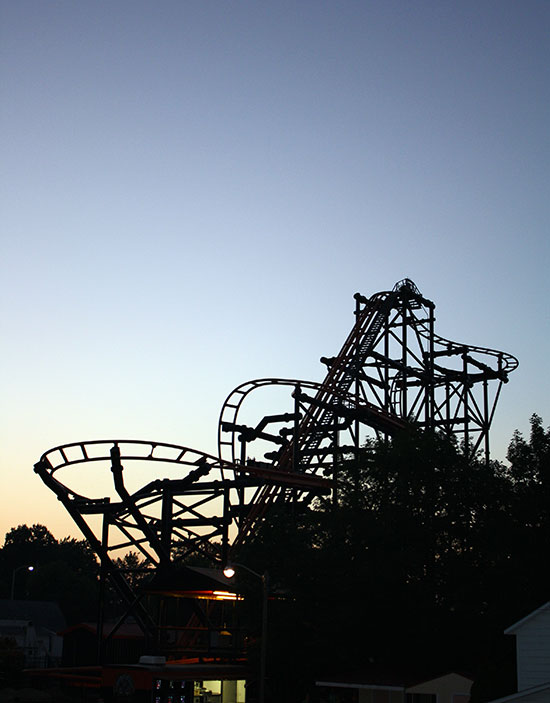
x=524 y=695
x=386 y=678
x=127 y=630
x=512 y=629
x=41 y=613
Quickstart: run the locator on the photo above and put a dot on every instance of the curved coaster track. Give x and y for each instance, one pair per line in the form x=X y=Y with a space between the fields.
x=392 y=372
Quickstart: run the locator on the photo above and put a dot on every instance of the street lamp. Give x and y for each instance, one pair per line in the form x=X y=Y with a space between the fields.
x=229 y=572
x=18 y=568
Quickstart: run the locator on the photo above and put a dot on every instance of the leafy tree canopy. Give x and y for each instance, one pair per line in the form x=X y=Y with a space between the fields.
x=425 y=558
x=64 y=571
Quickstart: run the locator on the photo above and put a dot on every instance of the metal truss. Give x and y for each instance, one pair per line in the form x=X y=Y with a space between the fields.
x=392 y=372
x=167 y=521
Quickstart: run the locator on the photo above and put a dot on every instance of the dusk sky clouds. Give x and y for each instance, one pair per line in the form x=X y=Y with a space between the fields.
x=192 y=192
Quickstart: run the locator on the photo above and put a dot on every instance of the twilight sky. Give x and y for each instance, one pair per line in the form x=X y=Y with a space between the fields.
x=192 y=191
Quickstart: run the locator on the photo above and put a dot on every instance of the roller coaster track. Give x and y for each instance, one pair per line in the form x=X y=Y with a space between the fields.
x=331 y=400
x=187 y=515
x=459 y=382
x=154 y=517
x=405 y=388
x=342 y=373
x=335 y=398
x=229 y=417
x=392 y=372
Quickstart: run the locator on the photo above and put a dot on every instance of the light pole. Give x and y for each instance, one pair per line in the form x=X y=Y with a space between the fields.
x=18 y=568
x=229 y=572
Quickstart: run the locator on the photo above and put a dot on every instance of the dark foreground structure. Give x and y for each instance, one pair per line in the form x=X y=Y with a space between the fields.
x=392 y=372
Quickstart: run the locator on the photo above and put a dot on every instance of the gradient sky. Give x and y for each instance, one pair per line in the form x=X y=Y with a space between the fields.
x=193 y=191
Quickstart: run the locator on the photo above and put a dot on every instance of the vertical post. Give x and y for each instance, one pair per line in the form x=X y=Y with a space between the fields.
x=335 y=463
x=229 y=572
x=263 y=650
x=486 y=420
x=14 y=572
x=103 y=572
x=166 y=523
x=296 y=430
x=430 y=391
x=465 y=392
x=242 y=440
x=447 y=409
x=226 y=519
x=357 y=371
x=404 y=342
x=240 y=489
x=386 y=364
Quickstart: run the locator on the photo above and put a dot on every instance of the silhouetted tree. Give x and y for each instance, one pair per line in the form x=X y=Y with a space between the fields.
x=28 y=545
x=519 y=580
x=64 y=571
x=530 y=516
x=423 y=560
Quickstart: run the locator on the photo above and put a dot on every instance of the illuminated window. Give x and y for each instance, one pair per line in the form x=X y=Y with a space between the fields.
x=221 y=691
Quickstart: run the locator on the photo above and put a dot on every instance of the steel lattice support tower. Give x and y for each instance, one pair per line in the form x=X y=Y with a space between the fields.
x=393 y=372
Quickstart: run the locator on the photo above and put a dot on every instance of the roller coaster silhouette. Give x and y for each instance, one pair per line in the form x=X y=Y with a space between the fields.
x=393 y=371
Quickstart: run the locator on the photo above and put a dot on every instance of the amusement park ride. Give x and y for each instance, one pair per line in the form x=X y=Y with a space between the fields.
x=392 y=372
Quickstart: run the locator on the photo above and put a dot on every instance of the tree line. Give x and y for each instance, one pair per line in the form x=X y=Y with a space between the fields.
x=65 y=571
x=421 y=562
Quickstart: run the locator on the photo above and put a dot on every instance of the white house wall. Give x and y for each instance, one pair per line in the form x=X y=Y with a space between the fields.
x=533 y=649
x=540 y=697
